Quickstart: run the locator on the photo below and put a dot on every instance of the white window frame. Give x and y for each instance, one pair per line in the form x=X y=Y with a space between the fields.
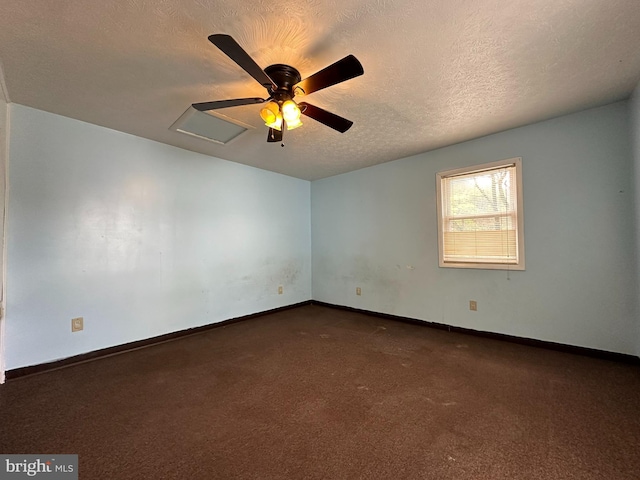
x=519 y=264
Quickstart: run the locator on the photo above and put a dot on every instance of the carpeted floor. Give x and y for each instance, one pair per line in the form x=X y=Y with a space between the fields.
x=314 y=392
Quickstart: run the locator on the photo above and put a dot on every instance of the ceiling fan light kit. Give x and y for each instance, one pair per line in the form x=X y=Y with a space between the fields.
x=273 y=115
x=283 y=83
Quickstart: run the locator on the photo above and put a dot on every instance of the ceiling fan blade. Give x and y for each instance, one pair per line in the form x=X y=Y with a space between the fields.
x=345 y=69
x=274 y=135
x=329 y=119
x=236 y=53
x=204 y=106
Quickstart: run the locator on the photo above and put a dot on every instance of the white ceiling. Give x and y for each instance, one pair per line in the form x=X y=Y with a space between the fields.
x=437 y=72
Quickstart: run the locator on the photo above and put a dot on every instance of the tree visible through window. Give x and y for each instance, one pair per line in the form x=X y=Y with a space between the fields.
x=480 y=216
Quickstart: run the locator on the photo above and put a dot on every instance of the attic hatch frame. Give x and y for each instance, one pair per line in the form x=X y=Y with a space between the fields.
x=194 y=118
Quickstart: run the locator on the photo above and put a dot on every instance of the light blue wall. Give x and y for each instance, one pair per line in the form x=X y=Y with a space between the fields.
x=4 y=112
x=635 y=138
x=376 y=229
x=139 y=238
x=142 y=239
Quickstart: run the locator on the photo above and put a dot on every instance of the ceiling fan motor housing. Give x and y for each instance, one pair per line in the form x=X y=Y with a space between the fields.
x=285 y=77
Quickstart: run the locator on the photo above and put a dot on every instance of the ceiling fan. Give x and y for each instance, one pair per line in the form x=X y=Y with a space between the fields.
x=283 y=83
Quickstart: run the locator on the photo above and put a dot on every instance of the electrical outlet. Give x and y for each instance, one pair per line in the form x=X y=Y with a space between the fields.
x=280 y=290
x=77 y=324
x=473 y=305
x=358 y=291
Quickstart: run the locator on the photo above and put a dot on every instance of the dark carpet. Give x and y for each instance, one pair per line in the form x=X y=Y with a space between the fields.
x=315 y=392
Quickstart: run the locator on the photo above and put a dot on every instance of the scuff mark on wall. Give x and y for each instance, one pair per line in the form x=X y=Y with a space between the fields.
x=290 y=271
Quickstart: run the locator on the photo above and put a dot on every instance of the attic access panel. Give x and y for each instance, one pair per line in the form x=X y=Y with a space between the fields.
x=212 y=127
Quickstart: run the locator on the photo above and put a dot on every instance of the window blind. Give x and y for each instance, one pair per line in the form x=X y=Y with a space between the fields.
x=480 y=216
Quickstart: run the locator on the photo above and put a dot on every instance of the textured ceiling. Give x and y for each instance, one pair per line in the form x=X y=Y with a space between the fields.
x=436 y=72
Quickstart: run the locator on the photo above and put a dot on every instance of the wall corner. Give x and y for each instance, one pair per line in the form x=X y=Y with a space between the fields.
x=634 y=106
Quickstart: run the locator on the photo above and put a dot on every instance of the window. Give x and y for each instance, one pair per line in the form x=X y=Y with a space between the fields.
x=480 y=222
